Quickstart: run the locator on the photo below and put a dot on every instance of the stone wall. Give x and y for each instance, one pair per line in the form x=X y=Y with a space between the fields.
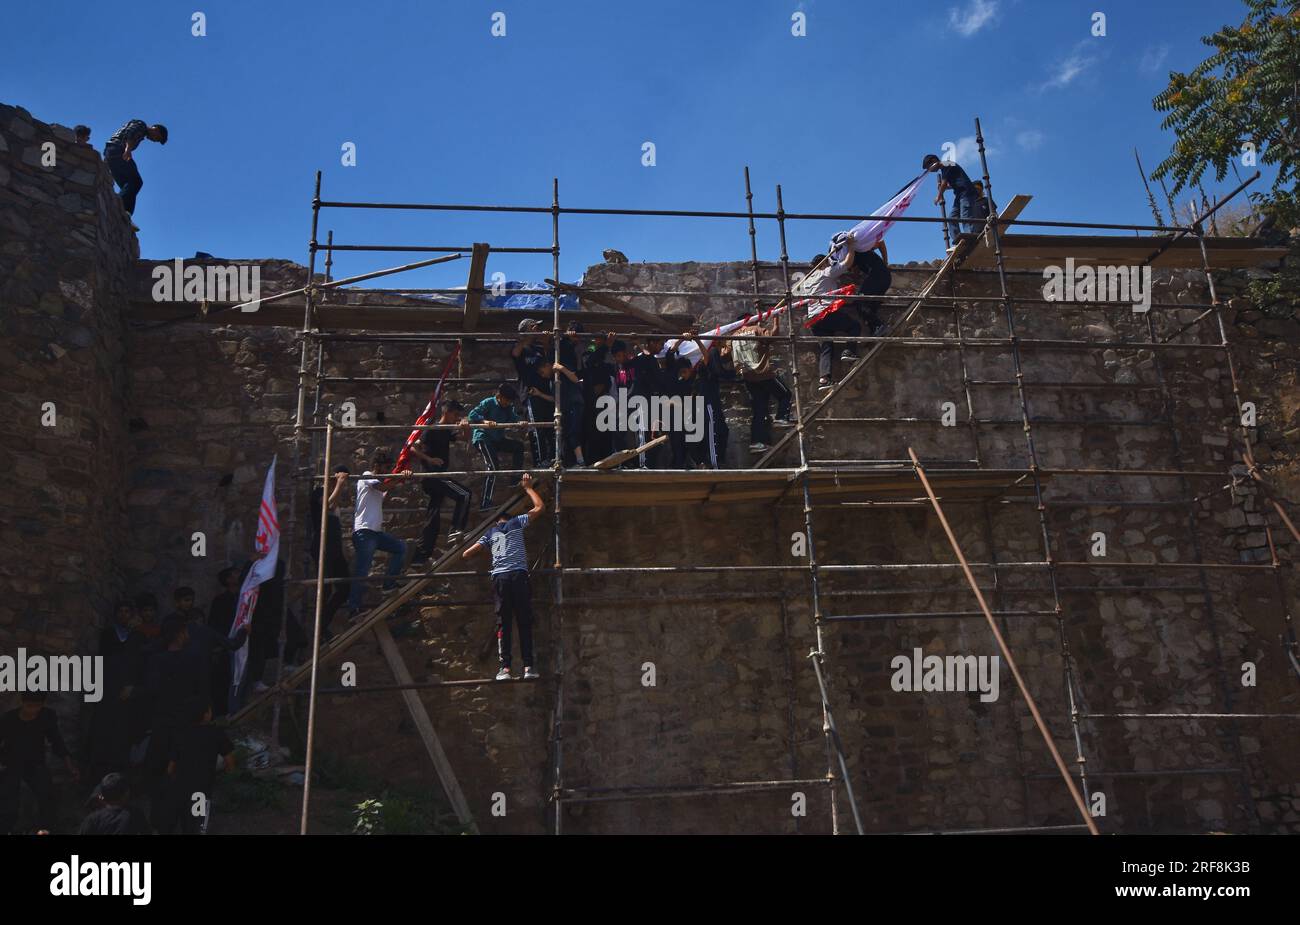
x=67 y=253
x=735 y=697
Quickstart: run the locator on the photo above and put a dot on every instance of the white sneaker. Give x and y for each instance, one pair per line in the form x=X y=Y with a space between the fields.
x=783 y=422
x=757 y=447
x=503 y=674
x=454 y=537
x=260 y=688
x=530 y=675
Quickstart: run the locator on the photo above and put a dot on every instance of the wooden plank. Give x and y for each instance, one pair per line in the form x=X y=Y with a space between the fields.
x=1010 y=212
x=474 y=285
x=424 y=726
x=614 y=460
x=1035 y=251
x=354 y=633
x=659 y=322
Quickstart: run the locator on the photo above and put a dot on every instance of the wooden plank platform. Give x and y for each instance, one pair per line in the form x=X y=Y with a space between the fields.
x=431 y=317
x=1035 y=251
x=646 y=488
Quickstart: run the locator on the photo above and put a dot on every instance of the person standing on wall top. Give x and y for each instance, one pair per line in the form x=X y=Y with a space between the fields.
x=121 y=162
x=511 y=587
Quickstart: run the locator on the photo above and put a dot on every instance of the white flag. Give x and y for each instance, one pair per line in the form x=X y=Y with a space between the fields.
x=267 y=545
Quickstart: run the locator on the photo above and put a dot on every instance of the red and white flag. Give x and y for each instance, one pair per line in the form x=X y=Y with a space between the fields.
x=267 y=546
x=429 y=414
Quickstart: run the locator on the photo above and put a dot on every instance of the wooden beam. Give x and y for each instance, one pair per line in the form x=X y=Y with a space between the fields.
x=656 y=321
x=424 y=726
x=354 y=633
x=474 y=286
x=614 y=460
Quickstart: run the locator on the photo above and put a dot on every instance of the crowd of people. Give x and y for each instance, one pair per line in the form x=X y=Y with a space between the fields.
x=152 y=731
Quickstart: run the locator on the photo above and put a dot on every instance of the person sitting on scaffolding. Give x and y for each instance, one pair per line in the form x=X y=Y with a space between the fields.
x=511 y=586
x=951 y=176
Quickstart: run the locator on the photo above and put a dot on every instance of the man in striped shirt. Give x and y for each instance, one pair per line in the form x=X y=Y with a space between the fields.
x=511 y=589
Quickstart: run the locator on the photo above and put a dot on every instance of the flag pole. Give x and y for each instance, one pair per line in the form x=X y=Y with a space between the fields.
x=320 y=599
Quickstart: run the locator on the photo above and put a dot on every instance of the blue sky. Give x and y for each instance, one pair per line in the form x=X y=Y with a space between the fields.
x=440 y=110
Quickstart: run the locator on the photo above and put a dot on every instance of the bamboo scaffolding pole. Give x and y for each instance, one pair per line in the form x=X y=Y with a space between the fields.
x=1006 y=654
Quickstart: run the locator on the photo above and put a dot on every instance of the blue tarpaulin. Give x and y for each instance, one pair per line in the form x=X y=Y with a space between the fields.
x=520 y=296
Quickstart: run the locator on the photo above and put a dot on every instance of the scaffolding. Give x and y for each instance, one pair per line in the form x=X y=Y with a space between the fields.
x=812 y=483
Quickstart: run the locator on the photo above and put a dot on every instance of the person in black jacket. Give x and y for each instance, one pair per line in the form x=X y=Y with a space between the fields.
x=221 y=617
x=113 y=726
x=113 y=813
x=336 y=560
x=23 y=735
x=434 y=452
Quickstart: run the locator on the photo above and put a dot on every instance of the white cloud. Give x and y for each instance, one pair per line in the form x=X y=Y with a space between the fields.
x=976 y=15
x=1029 y=139
x=1153 y=56
x=1071 y=66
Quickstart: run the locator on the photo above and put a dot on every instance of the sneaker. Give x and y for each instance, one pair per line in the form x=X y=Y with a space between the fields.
x=757 y=447
x=530 y=675
x=260 y=688
x=824 y=383
x=783 y=422
x=503 y=674
x=454 y=537
x=848 y=356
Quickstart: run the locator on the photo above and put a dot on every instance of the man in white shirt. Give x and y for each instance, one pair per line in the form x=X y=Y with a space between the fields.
x=368 y=528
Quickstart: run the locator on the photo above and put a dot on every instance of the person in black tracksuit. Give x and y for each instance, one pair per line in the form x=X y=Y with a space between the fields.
x=527 y=354
x=704 y=381
x=573 y=396
x=336 y=560
x=648 y=382
x=121 y=162
x=191 y=768
x=23 y=734
x=597 y=381
x=434 y=451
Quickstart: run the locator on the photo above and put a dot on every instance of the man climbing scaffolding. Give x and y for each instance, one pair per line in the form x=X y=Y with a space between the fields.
x=511 y=587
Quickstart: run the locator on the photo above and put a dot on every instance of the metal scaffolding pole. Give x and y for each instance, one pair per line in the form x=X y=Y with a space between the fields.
x=1067 y=661
x=834 y=750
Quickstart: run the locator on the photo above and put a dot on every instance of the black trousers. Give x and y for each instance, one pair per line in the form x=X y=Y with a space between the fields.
x=711 y=452
x=438 y=490
x=128 y=179
x=837 y=322
x=37 y=776
x=336 y=595
x=761 y=393
x=491 y=453
x=513 y=595
x=541 y=439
